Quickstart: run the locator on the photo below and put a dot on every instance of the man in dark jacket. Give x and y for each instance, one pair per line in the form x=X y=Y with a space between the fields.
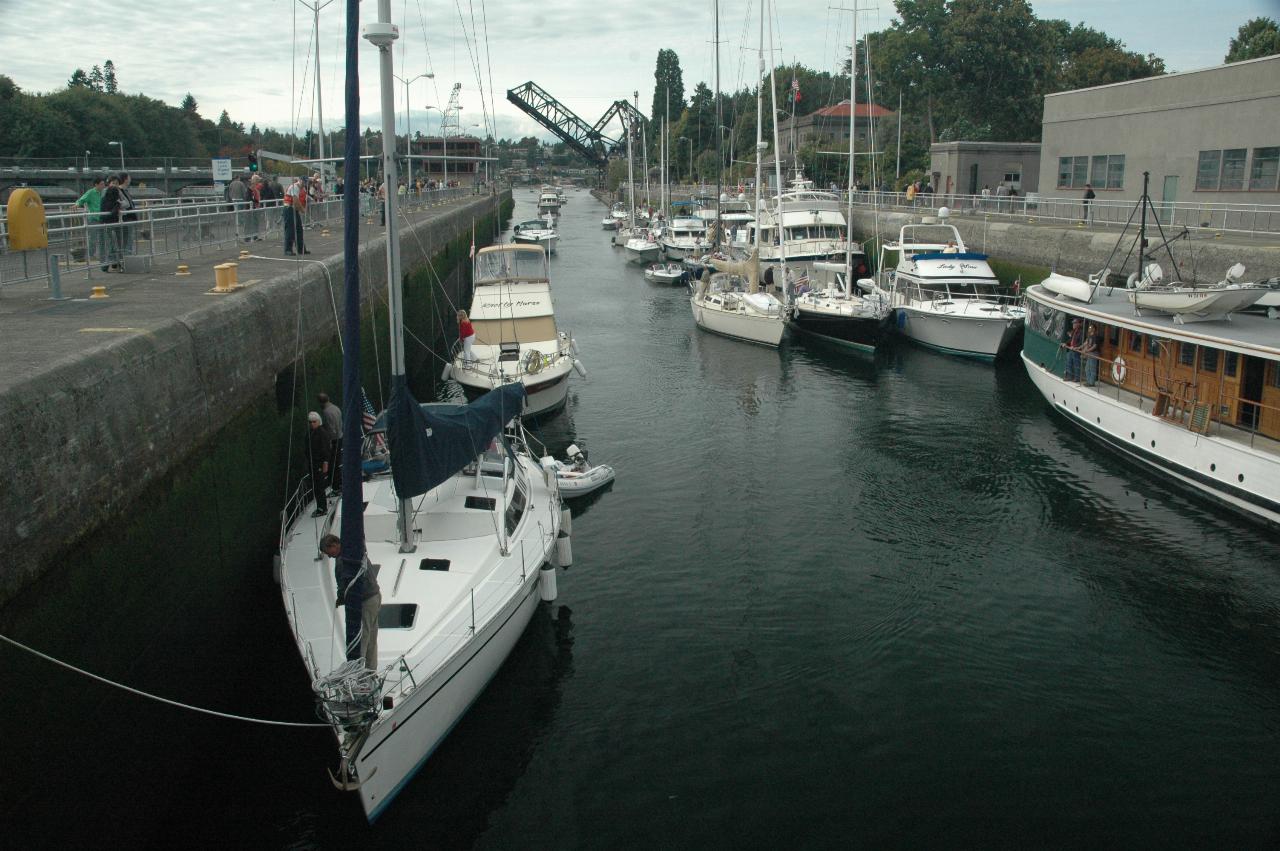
x=359 y=594
x=319 y=452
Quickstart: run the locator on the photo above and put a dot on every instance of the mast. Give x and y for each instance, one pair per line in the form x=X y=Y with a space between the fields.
x=777 y=165
x=1142 y=226
x=719 y=123
x=759 y=137
x=631 y=176
x=352 y=431
x=853 y=146
x=644 y=155
x=383 y=34
x=324 y=175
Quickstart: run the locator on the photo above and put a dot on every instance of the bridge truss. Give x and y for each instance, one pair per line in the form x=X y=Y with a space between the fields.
x=589 y=140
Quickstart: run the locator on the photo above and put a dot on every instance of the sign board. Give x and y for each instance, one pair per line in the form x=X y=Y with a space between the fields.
x=222 y=171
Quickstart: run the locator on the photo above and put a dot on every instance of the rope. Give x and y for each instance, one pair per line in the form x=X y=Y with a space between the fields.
x=150 y=696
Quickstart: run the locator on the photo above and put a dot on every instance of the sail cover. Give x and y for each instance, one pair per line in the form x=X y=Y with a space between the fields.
x=429 y=444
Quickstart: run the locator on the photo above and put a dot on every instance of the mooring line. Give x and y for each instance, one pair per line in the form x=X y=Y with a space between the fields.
x=157 y=697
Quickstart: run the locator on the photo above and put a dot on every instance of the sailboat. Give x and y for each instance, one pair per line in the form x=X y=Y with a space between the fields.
x=839 y=311
x=457 y=529
x=730 y=302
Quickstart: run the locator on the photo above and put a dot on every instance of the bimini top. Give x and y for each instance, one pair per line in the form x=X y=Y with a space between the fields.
x=499 y=263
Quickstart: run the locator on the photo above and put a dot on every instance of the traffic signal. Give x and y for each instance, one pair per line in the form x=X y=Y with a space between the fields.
x=253 y=162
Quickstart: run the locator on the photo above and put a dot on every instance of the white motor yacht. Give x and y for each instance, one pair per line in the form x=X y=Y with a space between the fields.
x=643 y=247
x=812 y=225
x=549 y=201
x=686 y=236
x=540 y=232
x=516 y=334
x=946 y=297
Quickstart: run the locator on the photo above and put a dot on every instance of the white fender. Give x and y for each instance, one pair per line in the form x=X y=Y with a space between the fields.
x=566 y=521
x=547 y=582
x=447 y=372
x=564 y=550
x=579 y=368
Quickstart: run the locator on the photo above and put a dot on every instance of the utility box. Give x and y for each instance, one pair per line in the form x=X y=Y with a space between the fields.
x=28 y=228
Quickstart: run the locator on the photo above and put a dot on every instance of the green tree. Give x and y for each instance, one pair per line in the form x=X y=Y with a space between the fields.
x=79 y=80
x=190 y=106
x=668 y=80
x=96 y=81
x=1255 y=39
x=109 y=84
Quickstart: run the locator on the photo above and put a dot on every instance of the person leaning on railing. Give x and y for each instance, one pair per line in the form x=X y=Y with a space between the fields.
x=96 y=243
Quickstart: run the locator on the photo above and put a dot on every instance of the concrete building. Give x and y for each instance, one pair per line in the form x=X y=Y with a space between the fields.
x=1211 y=135
x=965 y=168
x=464 y=173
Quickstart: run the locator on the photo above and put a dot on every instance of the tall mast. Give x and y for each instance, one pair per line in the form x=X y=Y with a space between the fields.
x=719 y=122
x=631 y=175
x=386 y=34
x=853 y=145
x=319 y=100
x=644 y=155
x=777 y=165
x=755 y=211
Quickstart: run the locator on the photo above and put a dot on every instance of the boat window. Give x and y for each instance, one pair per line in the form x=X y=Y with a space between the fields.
x=1208 y=359
x=397 y=615
x=515 y=509
x=1135 y=341
x=1274 y=366
x=480 y=503
x=1153 y=346
x=526 y=329
x=434 y=563
x=510 y=263
x=1187 y=354
x=1113 y=335
x=1229 y=362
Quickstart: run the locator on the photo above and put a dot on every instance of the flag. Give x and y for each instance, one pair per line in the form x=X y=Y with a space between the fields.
x=368 y=416
x=795 y=90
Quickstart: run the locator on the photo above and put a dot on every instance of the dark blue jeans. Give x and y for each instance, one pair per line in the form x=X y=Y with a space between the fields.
x=293 y=230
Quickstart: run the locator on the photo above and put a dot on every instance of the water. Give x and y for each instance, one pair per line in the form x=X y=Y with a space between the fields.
x=830 y=600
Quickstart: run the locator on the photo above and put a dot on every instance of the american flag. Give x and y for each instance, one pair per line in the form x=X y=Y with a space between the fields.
x=368 y=416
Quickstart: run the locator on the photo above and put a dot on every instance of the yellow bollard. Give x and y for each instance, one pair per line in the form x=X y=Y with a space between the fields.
x=183 y=270
x=99 y=292
x=244 y=253
x=224 y=274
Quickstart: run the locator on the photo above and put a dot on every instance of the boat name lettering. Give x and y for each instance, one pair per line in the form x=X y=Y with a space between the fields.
x=516 y=303
x=961 y=267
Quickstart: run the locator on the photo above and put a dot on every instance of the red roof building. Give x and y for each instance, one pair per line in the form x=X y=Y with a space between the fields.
x=828 y=128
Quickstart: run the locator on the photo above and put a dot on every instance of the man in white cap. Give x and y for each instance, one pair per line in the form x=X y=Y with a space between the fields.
x=319 y=451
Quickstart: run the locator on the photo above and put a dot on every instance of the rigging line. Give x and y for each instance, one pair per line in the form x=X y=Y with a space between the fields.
x=300 y=91
x=293 y=398
x=488 y=58
x=484 y=107
x=140 y=693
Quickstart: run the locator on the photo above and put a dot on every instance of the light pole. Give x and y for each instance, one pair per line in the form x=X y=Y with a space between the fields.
x=119 y=145
x=690 y=141
x=408 y=132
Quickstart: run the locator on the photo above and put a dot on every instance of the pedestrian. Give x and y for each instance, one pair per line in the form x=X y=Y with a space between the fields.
x=96 y=234
x=254 y=222
x=467 y=334
x=911 y=194
x=1075 y=342
x=361 y=598
x=332 y=416
x=1090 y=352
x=128 y=216
x=382 y=202
x=318 y=453
x=110 y=217
x=1002 y=192
x=1088 y=197
x=986 y=196
x=237 y=195
x=295 y=204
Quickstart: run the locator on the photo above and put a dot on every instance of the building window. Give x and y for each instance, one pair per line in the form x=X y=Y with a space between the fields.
x=1013 y=175
x=1115 y=171
x=1081 y=172
x=1232 y=169
x=1187 y=354
x=1073 y=172
x=1098 y=172
x=1209 y=169
x=1263 y=174
x=1208 y=360
x=1064 y=172
x=1229 y=361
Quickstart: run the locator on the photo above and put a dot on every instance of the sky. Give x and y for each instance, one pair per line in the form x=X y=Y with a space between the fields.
x=256 y=59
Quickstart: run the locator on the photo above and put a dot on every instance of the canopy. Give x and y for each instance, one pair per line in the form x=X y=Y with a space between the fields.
x=429 y=443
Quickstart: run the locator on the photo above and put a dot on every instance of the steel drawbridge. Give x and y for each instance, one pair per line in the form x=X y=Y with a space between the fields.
x=589 y=140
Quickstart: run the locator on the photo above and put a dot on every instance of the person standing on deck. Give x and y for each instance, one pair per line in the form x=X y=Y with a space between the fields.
x=467 y=334
x=332 y=416
x=359 y=593
x=1090 y=350
x=1088 y=197
x=295 y=204
x=1075 y=342
x=319 y=451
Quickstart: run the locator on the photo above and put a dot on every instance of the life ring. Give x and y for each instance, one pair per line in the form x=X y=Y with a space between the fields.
x=533 y=362
x=1119 y=369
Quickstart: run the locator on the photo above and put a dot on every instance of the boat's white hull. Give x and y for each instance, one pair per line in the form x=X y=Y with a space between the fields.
x=546 y=390
x=403 y=740
x=647 y=253
x=679 y=251
x=740 y=325
x=548 y=243
x=959 y=334
x=1231 y=473
x=580 y=484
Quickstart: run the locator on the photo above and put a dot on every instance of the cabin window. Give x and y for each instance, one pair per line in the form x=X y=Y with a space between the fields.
x=1208 y=359
x=515 y=509
x=1187 y=354
x=1275 y=373
x=1229 y=362
x=1153 y=346
x=1113 y=335
x=1135 y=341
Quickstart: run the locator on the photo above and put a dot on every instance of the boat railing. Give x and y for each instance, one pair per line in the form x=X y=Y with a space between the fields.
x=1178 y=401
x=293 y=506
x=937 y=296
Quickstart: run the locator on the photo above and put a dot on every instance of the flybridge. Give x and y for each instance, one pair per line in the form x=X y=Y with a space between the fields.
x=588 y=140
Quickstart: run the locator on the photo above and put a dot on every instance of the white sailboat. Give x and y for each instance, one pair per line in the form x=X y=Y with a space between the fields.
x=458 y=532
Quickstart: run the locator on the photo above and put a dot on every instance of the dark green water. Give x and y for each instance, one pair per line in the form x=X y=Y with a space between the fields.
x=830 y=601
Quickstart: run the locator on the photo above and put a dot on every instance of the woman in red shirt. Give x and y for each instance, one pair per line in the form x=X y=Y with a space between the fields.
x=466 y=333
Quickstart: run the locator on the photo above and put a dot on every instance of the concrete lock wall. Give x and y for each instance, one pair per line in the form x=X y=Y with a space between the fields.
x=87 y=436
x=1081 y=252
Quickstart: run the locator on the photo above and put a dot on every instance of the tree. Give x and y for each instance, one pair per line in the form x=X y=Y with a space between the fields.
x=79 y=80
x=1255 y=39
x=668 y=78
x=8 y=88
x=96 y=79
x=109 y=78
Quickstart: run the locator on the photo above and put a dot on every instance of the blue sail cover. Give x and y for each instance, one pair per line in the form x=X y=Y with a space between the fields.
x=428 y=445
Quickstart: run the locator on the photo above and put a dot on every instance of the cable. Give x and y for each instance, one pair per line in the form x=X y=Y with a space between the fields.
x=157 y=697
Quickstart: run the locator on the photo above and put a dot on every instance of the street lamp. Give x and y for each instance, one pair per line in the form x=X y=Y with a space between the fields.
x=690 y=141
x=408 y=131
x=121 y=146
